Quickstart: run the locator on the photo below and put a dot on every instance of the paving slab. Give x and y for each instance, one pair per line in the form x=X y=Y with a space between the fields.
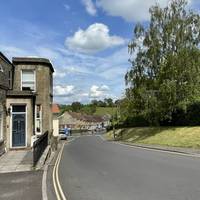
x=13 y=161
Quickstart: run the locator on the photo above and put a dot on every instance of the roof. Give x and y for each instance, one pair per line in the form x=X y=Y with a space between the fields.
x=33 y=60
x=5 y=58
x=86 y=118
x=55 y=109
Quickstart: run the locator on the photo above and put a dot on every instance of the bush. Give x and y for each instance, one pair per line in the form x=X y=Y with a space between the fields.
x=193 y=114
x=135 y=121
x=190 y=117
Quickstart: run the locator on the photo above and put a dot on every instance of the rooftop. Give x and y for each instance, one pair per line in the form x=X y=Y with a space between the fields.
x=55 y=109
x=33 y=60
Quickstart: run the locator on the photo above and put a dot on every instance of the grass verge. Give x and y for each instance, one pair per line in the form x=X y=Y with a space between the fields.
x=105 y=110
x=188 y=137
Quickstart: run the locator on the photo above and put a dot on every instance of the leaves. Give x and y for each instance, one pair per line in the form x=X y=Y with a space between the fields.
x=165 y=72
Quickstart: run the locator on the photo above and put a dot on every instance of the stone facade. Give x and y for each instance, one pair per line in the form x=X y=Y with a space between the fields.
x=6 y=74
x=14 y=94
x=44 y=85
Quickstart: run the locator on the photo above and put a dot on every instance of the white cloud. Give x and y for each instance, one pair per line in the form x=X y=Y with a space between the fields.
x=90 y=7
x=95 y=38
x=63 y=91
x=98 y=91
x=130 y=10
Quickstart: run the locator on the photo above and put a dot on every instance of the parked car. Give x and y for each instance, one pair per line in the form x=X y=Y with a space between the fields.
x=62 y=135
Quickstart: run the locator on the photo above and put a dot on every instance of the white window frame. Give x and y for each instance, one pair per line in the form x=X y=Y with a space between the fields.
x=36 y=118
x=34 y=78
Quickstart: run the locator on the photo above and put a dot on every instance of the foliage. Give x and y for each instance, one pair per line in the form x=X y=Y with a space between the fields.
x=165 y=59
x=97 y=107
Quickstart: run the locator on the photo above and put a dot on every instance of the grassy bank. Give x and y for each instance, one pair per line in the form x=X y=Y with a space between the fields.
x=105 y=110
x=171 y=136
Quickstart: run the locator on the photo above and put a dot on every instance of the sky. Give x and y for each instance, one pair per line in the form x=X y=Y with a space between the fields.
x=86 y=41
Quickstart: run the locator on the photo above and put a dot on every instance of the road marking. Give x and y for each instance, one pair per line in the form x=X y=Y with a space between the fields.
x=156 y=150
x=56 y=182
x=44 y=184
x=102 y=137
x=44 y=178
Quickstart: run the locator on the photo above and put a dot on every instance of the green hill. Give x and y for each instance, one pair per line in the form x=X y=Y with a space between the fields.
x=105 y=110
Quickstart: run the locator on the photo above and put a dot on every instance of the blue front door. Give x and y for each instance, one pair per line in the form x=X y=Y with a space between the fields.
x=18 y=126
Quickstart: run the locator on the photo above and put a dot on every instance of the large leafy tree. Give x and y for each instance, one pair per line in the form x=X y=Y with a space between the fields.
x=165 y=61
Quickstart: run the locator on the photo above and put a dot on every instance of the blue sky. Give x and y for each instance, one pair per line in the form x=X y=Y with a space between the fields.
x=86 y=40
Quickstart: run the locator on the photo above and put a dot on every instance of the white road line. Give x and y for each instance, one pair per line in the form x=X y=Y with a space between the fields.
x=57 y=176
x=102 y=137
x=156 y=150
x=44 y=183
x=57 y=187
x=54 y=182
x=44 y=178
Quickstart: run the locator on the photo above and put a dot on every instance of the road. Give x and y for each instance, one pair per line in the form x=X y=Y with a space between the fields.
x=93 y=169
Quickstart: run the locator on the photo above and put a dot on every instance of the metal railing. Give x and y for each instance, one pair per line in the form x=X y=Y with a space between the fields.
x=39 y=146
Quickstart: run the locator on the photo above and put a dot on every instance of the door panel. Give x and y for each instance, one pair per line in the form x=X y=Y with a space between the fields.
x=18 y=129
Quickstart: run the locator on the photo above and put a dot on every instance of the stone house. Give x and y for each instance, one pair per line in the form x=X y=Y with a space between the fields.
x=56 y=112
x=78 y=121
x=28 y=102
x=6 y=80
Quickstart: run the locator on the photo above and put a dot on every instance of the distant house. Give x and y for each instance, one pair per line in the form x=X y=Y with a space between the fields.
x=82 y=121
x=29 y=95
x=56 y=112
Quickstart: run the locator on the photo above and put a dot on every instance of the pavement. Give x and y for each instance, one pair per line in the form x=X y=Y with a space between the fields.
x=15 y=161
x=21 y=185
x=94 y=169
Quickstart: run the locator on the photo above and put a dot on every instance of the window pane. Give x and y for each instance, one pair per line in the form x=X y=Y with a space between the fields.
x=19 y=109
x=27 y=75
x=28 y=82
x=27 y=85
x=38 y=111
x=38 y=125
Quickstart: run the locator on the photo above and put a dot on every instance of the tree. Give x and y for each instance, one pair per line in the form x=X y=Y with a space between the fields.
x=109 y=102
x=76 y=106
x=165 y=72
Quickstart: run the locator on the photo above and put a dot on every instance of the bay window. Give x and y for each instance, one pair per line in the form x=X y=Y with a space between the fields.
x=28 y=80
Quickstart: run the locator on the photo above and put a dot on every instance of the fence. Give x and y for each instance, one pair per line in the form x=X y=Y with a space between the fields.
x=39 y=146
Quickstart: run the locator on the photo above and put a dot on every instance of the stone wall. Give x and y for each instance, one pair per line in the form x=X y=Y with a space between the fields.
x=5 y=84
x=43 y=90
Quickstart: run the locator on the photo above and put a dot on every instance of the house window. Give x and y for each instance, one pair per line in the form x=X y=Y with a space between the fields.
x=28 y=80
x=1 y=125
x=1 y=68
x=38 y=119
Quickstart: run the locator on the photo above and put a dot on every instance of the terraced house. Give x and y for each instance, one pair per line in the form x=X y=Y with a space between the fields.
x=26 y=100
x=6 y=82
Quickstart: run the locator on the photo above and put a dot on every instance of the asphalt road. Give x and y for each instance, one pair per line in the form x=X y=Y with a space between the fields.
x=93 y=169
